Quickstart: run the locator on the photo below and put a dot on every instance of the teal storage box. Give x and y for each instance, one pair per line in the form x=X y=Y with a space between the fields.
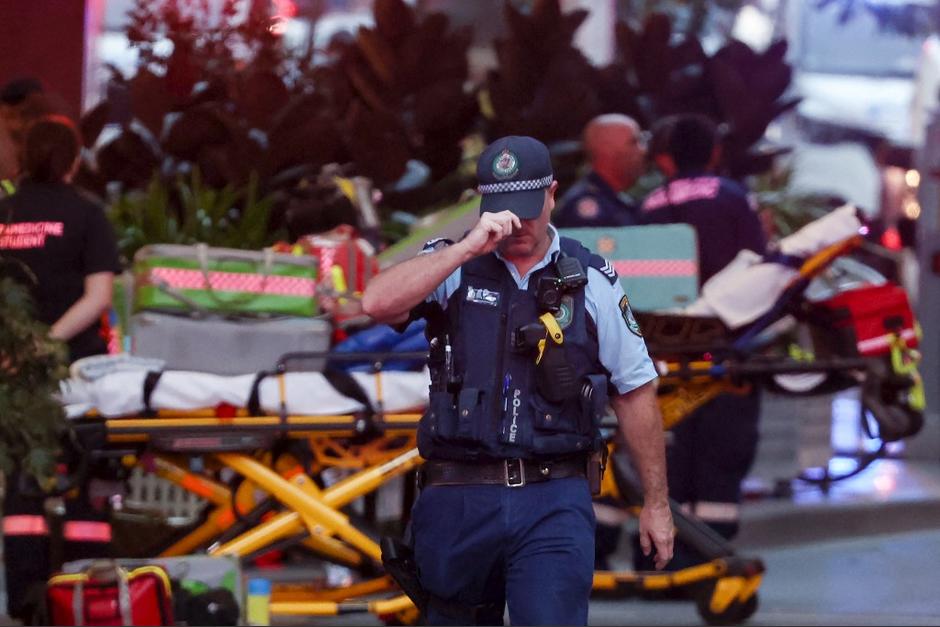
x=657 y=263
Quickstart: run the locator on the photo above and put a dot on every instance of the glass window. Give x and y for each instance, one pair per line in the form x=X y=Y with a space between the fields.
x=860 y=45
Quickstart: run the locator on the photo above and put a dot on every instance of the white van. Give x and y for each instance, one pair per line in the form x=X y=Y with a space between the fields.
x=855 y=74
x=857 y=79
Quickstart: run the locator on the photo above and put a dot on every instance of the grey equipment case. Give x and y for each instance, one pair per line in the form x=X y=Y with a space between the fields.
x=219 y=345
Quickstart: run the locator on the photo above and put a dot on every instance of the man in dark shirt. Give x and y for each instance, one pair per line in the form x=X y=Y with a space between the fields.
x=713 y=448
x=58 y=241
x=616 y=149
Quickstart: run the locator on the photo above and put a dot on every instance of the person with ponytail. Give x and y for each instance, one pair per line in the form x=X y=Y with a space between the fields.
x=58 y=241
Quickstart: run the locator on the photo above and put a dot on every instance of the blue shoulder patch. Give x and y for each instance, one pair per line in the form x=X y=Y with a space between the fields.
x=605 y=268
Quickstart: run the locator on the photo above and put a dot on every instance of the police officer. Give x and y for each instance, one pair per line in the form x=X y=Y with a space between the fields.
x=504 y=515
x=713 y=448
x=616 y=149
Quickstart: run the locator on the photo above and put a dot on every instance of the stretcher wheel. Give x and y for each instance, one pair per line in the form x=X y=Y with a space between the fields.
x=408 y=617
x=804 y=383
x=736 y=613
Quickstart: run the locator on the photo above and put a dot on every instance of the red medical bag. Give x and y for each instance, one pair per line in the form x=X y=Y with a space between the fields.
x=106 y=594
x=346 y=261
x=871 y=314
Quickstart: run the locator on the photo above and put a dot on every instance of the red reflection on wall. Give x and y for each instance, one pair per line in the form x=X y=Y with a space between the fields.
x=44 y=39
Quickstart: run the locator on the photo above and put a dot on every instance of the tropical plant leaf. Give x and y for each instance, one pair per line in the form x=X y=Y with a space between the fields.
x=394 y=20
x=150 y=100
x=93 y=122
x=31 y=366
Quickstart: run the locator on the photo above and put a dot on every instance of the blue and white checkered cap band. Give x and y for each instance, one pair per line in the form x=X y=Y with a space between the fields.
x=516 y=186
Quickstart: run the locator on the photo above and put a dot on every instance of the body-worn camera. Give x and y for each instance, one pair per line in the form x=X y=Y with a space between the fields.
x=571 y=277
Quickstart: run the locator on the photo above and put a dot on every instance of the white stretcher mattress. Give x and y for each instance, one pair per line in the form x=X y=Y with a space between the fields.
x=748 y=287
x=307 y=393
x=739 y=294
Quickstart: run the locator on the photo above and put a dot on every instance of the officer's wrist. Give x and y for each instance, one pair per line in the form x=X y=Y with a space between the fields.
x=464 y=251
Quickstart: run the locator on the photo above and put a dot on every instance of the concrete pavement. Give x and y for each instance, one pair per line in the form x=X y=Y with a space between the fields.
x=889 y=579
x=865 y=551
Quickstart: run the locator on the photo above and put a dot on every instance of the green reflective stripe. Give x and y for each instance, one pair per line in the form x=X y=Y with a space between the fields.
x=151 y=297
x=8 y=187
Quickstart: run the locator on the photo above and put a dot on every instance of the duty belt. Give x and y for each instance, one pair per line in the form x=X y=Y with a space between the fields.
x=513 y=473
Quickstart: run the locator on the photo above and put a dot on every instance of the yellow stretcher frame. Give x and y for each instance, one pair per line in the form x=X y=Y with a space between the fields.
x=310 y=511
x=730 y=583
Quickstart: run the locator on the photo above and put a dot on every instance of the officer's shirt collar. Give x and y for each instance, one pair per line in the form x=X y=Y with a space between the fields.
x=554 y=248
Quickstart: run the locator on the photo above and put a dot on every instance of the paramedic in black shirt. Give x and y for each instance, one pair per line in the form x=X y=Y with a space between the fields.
x=713 y=448
x=60 y=244
x=61 y=237
x=686 y=150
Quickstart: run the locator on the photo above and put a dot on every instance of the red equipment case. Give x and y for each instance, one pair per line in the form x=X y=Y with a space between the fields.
x=106 y=594
x=871 y=314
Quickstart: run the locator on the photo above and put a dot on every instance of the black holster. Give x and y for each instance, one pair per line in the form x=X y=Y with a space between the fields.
x=555 y=378
x=398 y=560
x=596 y=464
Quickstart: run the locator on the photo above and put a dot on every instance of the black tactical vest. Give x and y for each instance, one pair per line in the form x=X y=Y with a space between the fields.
x=492 y=409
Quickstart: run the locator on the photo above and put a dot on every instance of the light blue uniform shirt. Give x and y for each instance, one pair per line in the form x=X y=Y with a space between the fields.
x=621 y=352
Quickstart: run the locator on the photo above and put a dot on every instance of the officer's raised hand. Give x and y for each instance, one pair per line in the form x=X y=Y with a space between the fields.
x=489 y=231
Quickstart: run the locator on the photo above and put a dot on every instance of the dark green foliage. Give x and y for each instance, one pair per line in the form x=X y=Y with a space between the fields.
x=223 y=217
x=31 y=365
x=398 y=91
x=790 y=211
x=545 y=87
x=228 y=110
x=256 y=121
x=653 y=76
x=542 y=86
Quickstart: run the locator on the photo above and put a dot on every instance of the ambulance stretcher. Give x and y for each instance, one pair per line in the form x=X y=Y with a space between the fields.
x=279 y=502
x=279 y=431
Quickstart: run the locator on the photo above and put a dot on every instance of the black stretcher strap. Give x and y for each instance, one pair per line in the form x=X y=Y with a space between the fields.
x=346 y=384
x=254 y=399
x=342 y=382
x=150 y=384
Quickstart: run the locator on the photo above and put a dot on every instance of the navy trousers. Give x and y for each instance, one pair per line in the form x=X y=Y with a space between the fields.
x=713 y=450
x=531 y=548
x=710 y=455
